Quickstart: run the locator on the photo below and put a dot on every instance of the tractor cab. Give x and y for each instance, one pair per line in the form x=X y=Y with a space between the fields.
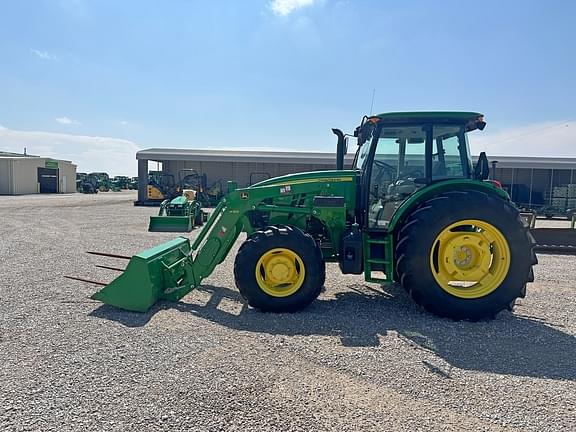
x=400 y=153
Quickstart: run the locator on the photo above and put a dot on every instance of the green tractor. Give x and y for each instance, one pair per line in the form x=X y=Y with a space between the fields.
x=133 y=183
x=87 y=183
x=412 y=209
x=103 y=179
x=184 y=212
x=181 y=214
x=119 y=183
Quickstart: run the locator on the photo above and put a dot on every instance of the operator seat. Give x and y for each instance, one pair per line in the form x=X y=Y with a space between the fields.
x=402 y=187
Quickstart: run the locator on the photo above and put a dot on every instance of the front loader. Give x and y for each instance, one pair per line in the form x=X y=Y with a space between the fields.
x=412 y=209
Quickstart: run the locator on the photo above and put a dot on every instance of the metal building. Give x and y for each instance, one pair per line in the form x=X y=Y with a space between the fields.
x=242 y=166
x=25 y=174
x=531 y=181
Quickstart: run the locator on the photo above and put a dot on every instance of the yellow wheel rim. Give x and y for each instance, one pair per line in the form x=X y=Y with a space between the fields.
x=470 y=258
x=280 y=272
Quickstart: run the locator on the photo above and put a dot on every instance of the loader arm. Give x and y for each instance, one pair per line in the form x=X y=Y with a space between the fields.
x=173 y=269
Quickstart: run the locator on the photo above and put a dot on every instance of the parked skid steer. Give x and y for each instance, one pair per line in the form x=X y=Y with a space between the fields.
x=412 y=209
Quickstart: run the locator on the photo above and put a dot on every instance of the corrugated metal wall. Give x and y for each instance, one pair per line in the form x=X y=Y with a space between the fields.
x=239 y=171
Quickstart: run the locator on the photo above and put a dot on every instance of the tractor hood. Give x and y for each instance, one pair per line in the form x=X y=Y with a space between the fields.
x=332 y=176
x=179 y=200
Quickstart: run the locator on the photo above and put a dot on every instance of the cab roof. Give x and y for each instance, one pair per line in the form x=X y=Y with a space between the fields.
x=428 y=116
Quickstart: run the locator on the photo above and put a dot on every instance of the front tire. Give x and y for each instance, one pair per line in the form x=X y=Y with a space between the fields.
x=465 y=255
x=279 y=269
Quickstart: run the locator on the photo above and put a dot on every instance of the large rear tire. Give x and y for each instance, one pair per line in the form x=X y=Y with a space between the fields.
x=279 y=269
x=465 y=255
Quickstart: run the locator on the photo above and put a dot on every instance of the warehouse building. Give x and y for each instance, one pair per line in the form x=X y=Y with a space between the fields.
x=22 y=174
x=242 y=166
x=531 y=181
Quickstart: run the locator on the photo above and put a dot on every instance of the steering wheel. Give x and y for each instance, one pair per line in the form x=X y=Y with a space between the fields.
x=383 y=165
x=383 y=169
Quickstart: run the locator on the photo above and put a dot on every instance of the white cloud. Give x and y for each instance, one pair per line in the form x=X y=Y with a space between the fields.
x=66 y=121
x=44 y=55
x=286 y=7
x=123 y=122
x=537 y=139
x=90 y=153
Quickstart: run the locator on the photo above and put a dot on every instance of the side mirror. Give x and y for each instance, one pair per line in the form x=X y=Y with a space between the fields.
x=361 y=137
x=361 y=132
x=482 y=168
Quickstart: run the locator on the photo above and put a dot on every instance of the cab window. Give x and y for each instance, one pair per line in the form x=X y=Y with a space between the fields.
x=451 y=155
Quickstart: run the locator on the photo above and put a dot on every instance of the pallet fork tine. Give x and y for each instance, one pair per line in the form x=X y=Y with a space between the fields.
x=110 y=268
x=109 y=255
x=85 y=280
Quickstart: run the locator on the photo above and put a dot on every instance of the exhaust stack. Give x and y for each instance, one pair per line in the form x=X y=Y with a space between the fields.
x=340 y=148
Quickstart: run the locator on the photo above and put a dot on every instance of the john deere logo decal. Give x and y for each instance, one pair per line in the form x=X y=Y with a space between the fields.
x=244 y=195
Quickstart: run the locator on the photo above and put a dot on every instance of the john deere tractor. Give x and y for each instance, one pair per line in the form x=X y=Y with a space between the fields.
x=184 y=212
x=412 y=209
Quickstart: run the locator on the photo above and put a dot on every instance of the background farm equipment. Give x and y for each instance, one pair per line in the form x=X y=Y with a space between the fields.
x=551 y=239
x=548 y=238
x=184 y=212
x=133 y=183
x=181 y=214
x=160 y=187
x=120 y=183
x=212 y=195
x=87 y=183
x=103 y=181
x=79 y=180
x=555 y=240
x=206 y=196
x=412 y=210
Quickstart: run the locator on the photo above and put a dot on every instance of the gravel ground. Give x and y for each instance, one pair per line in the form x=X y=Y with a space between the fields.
x=362 y=357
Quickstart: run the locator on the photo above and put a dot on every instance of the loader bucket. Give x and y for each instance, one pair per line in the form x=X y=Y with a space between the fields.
x=162 y=272
x=170 y=224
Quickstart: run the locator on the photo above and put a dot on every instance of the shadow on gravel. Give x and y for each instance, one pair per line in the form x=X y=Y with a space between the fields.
x=510 y=345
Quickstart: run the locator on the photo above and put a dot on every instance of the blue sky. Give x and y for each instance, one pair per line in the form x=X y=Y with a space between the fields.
x=94 y=80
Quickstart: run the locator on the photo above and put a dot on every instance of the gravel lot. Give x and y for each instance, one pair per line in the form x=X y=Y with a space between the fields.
x=362 y=357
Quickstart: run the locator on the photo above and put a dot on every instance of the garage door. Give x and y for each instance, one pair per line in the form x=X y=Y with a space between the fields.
x=48 y=179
